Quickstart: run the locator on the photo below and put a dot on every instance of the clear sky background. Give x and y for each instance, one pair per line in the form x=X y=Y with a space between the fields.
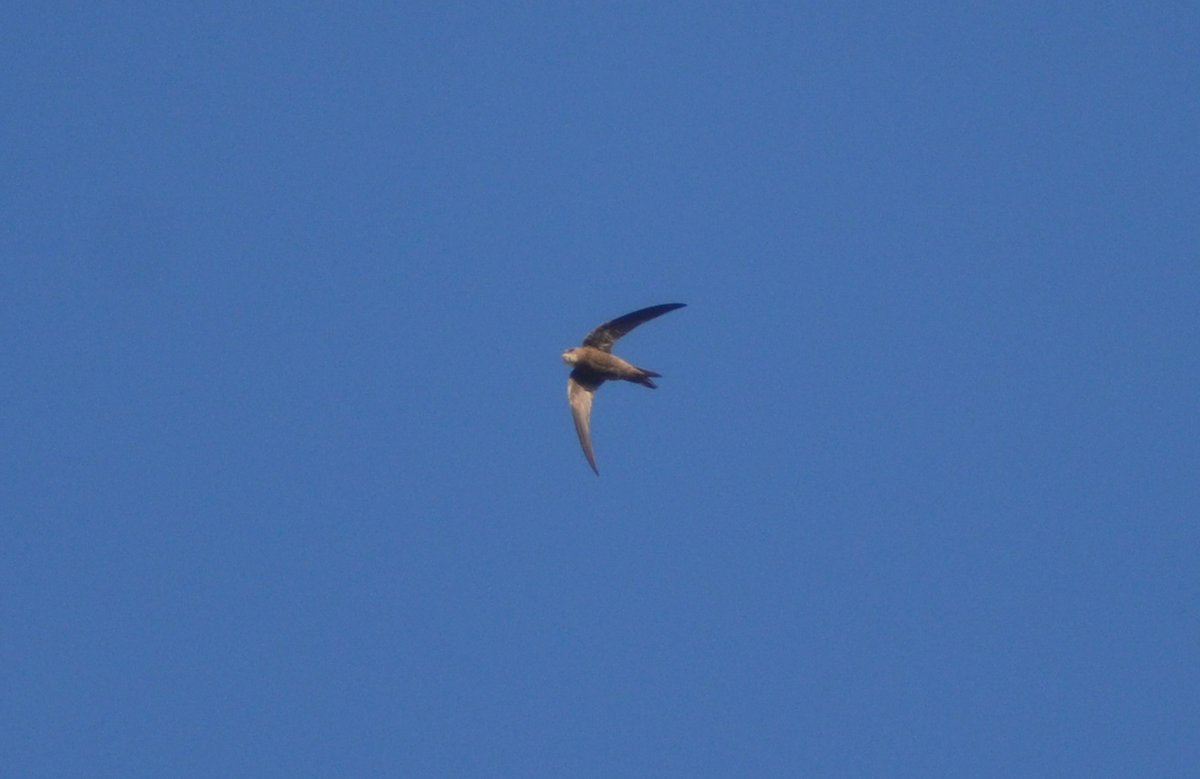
x=289 y=485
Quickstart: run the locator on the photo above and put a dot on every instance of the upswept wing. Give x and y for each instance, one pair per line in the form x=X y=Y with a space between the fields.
x=581 y=386
x=604 y=336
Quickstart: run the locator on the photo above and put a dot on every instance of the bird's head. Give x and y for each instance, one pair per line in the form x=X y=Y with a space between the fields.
x=571 y=356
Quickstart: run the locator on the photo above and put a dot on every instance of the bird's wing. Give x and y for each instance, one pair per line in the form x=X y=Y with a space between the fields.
x=604 y=336
x=580 y=388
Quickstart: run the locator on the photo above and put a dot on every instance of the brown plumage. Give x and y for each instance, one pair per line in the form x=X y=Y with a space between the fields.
x=594 y=363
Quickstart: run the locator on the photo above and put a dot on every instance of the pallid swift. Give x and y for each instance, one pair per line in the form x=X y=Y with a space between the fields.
x=594 y=363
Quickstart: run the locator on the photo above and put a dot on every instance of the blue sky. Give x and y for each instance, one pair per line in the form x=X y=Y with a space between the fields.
x=289 y=484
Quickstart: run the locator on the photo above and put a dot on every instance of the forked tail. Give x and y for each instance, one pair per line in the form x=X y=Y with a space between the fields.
x=644 y=378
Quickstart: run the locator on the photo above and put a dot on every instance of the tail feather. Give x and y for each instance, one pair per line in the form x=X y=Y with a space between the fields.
x=644 y=378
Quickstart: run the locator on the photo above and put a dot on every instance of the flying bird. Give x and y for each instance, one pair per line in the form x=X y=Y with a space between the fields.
x=594 y=363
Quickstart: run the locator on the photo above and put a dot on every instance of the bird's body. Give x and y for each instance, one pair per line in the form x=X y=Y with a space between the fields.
x=594 y=363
